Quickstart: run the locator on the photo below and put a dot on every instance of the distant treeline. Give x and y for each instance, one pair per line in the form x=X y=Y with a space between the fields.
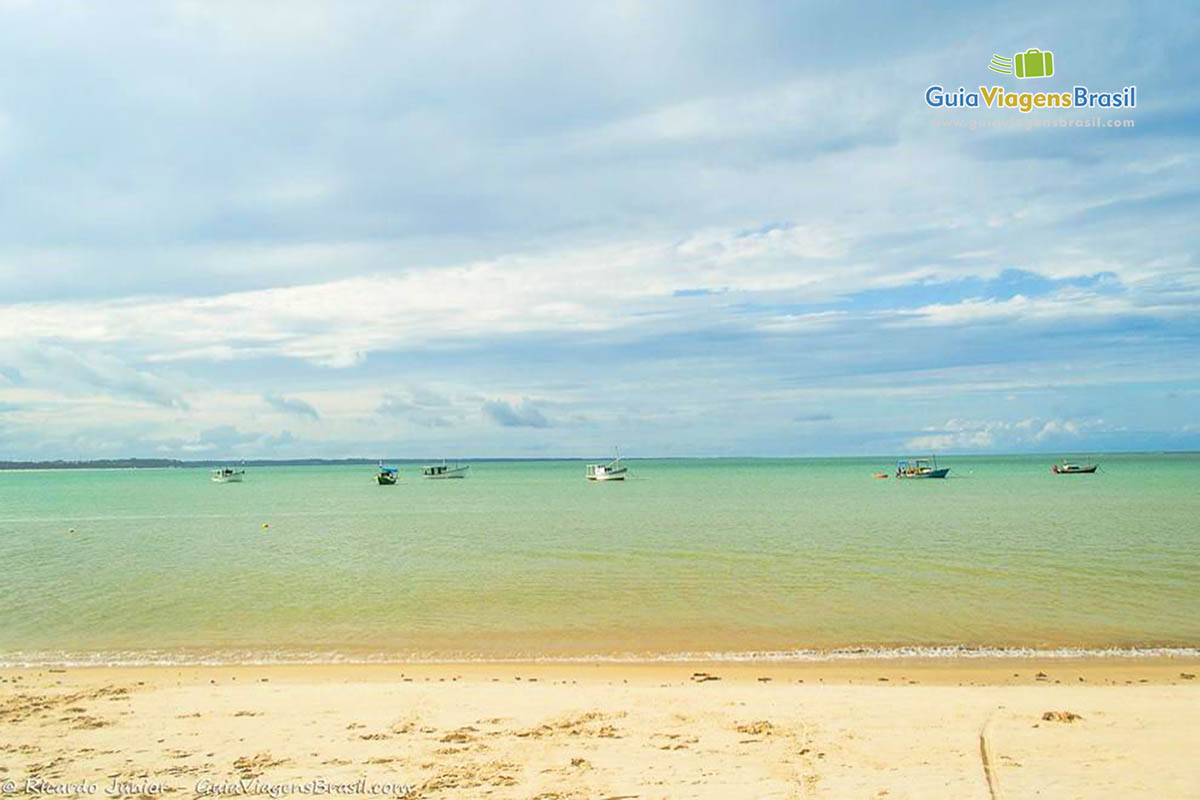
x=163 y=463
x=167 y=463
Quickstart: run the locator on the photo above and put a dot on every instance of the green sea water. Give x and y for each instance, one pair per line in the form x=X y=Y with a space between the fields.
x=527 y=559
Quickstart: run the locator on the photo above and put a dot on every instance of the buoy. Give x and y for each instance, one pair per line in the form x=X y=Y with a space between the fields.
x=265 y=525
x=70 y=530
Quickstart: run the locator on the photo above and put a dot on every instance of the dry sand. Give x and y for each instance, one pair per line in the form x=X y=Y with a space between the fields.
x=865 y=729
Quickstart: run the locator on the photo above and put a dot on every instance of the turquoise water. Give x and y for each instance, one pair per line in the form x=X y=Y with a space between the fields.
x=529 y=559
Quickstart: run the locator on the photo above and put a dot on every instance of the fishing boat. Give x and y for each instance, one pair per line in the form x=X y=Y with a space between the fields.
x=1070 y=468
x=228 y=475
x=920 y=468
x=387 y=476
x=444 y=471
x=612 y=471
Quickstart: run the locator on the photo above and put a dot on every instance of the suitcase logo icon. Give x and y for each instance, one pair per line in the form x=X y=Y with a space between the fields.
x=1033 y=63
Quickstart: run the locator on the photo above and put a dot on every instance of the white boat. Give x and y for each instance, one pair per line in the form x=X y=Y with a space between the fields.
x=1070 y=468
x=228 y=475
x=612 y=471
x=444 y=471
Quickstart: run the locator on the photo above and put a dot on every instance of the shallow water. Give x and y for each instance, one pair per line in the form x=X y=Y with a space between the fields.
x=527 y=559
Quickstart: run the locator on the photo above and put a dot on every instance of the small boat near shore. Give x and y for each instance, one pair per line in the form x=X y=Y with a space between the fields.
x=387 y=476
x=612 y=471
x=916 y=468
x=444 y=471
x=228 y=475
x=1071 y=468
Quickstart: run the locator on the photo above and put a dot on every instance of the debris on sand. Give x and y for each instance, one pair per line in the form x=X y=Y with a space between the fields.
x=1060 y=716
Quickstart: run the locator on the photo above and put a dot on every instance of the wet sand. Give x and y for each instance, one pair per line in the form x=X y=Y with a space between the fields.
x=962 y=728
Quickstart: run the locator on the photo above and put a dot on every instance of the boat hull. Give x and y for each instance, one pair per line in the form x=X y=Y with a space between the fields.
x=600 y=472
x=1057 y=470
x=386 y=480
x=454 y=473
x=231 y=477
x=933 y=473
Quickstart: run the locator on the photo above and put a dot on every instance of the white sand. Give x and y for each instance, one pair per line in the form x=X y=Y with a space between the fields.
x=646 y=731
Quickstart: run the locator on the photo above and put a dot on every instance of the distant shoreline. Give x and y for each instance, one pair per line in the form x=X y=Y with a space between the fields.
x=171 y=463
x=174 y=463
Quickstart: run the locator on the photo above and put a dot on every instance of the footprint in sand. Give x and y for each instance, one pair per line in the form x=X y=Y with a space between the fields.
x=472 y=776
x=760 y=727
x=460 y=736
x=582 y=725
x=254 y=766
x=86 y=723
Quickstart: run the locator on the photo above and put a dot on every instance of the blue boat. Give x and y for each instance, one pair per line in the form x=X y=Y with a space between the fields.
x=920 y=468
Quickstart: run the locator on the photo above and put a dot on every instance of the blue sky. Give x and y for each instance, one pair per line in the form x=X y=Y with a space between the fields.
x=328 y=229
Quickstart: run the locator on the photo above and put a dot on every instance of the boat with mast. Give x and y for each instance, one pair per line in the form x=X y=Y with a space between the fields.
x=612 y=471
x=444 y=471
x=387 y=476
x=920 y=468
x=228 y=475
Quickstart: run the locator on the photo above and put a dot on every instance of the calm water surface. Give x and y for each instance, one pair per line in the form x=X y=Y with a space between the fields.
x=529 y=559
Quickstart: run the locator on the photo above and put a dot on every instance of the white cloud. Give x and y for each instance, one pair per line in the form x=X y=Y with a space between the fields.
x=523 y=413
x=1004 y=435
x=291 y=405
x=629 y=288
x=714 y=216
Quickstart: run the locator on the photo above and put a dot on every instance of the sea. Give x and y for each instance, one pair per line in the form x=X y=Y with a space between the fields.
x=526 y=560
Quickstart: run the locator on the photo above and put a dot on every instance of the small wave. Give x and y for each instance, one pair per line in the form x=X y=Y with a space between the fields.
x=18 y=660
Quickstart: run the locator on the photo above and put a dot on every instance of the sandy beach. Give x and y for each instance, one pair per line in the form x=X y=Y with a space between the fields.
x=870 y=729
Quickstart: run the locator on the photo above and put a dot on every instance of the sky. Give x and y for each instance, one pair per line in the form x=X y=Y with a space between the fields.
x=322 y=229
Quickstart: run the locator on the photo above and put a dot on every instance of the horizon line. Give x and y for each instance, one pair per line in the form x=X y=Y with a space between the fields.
x=142 y=462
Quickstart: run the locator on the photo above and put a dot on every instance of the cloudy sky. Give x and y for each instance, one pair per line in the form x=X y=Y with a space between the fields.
x=357 y=229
